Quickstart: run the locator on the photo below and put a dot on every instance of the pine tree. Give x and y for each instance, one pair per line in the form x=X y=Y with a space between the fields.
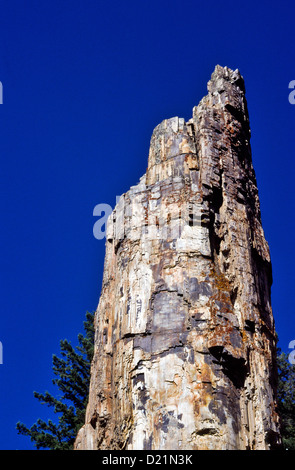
x=72 y=372
x=286 y=400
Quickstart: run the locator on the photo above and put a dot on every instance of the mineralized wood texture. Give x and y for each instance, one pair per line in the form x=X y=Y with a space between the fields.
x=185 y=341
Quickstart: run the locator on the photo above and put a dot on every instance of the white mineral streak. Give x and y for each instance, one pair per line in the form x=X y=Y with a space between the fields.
x=185 y=342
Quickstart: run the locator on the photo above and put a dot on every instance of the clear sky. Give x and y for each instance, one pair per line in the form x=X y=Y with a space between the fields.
x=84 y=84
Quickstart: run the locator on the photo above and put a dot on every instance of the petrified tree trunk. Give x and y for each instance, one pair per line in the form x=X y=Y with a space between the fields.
x=185 y=342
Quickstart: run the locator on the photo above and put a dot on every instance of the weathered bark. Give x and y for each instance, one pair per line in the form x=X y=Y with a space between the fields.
x=185 y=342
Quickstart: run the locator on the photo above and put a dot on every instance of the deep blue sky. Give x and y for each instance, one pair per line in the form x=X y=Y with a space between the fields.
x=84 y=84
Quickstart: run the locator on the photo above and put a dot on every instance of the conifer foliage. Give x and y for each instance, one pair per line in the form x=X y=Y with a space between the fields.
x=72 y=377
x=286 y=400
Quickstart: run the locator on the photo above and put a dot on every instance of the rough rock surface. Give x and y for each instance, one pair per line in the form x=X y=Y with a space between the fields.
x=185 y=343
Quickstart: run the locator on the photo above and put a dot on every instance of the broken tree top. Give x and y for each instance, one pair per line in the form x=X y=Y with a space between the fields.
x=185 y=340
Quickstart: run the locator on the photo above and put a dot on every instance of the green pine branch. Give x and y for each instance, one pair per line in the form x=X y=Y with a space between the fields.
x=286 y=400
x=72 y=377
